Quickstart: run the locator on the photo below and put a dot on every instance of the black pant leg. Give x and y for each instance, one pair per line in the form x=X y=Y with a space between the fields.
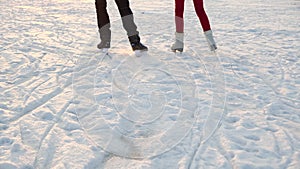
x=103 y=19
x=102 y=15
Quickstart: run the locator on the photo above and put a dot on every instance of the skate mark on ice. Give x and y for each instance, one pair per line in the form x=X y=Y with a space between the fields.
x=50 y=127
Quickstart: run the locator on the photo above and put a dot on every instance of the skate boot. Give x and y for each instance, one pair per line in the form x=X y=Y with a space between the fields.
x=178 y=45
x=136 y=44
x=210 y=40
x=105 y=37
x=104 y=45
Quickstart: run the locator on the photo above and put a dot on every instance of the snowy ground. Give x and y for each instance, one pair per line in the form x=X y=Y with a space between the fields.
x=63 y=104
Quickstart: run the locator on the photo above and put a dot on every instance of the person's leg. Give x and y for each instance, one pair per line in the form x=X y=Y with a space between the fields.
x=129 y=25
x=102 y=15
x=127 y=17
x=179 y=9
x=198 y=4
x=179 y=35
x=103 y=24
x=205 y=24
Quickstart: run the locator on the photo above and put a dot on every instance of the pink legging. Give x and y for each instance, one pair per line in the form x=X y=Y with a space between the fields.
x=179 y=8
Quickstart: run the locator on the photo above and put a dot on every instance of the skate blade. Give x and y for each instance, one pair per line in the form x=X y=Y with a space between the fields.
x=104 y=50
x=213 y=47
x=179 y=50
x=139 y=53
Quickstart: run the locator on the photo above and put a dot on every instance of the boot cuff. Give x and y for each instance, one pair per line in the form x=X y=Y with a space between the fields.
x=134 y=38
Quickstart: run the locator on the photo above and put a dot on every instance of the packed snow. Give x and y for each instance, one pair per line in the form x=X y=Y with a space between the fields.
x=66 y=105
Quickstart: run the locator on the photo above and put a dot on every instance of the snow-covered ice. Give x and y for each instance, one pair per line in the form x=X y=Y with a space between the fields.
x=64 y=104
